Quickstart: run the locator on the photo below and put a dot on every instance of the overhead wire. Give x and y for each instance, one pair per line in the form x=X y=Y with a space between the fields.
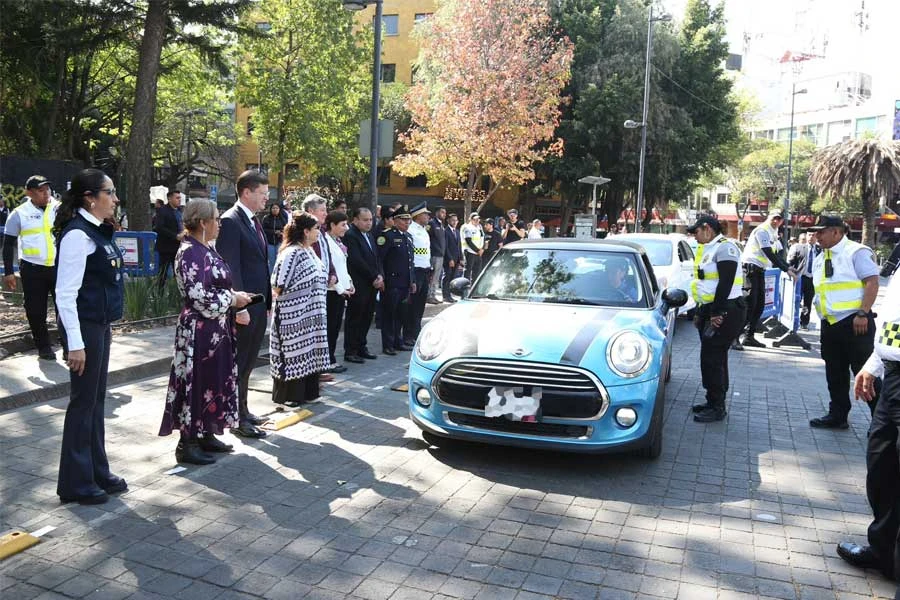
x=690 y=93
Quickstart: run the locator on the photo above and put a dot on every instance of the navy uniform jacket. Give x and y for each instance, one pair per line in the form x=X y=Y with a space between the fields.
x=395 y=251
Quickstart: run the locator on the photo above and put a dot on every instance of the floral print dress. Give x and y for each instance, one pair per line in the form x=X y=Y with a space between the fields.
x=202 y=396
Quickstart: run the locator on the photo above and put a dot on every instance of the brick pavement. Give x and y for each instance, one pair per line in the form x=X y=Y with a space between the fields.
x=353 y=504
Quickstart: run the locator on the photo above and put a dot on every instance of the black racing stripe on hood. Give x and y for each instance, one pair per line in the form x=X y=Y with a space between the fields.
x=583 y=339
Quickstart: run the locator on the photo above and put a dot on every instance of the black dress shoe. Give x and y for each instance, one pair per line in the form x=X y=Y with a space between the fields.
x=46 y=354
x=406 y=347
x=210 y=443
x=293 y=403
x=389 y=352
x=710 y=415
x=352 y=358
x=116 y=486
x=751 y=342
x=367 y=355
x=248 y=430
x=449 y=300
x=189 y=452
x=698 y=408
x=829 y=422
x=737 y=345
x=254 y=420
x=337 y=369
x=101 y=498
x=858 y=556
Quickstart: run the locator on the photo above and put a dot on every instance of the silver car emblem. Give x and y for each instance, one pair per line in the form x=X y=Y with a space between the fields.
x=520 y=352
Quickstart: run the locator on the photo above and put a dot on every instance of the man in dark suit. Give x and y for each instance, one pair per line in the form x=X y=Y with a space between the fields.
x=365 y=270
x=242 y=244
x=452 y=256
x=168 y=227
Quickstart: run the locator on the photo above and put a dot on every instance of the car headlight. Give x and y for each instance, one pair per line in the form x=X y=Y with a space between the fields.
x=628 y=354
x=433 y=340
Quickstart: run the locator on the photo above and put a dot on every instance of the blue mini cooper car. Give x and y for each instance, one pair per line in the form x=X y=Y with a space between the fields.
x=562 y=344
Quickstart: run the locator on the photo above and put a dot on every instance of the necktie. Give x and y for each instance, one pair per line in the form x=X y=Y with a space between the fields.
x=809 y=261
x=368 y=241
x=259 y=233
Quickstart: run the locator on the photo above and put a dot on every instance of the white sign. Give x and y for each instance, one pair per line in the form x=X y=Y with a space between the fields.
x=129 y=248
x=585 y=226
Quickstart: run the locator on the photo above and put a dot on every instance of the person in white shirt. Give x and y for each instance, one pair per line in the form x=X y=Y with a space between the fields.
x=473 y=245
x=534 y=232
x=418 y=231
x=342 y=288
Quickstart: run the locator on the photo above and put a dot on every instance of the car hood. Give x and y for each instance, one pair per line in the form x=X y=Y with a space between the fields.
x=551 y=333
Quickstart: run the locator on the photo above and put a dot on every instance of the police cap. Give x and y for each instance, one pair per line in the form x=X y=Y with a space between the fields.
x=705 y=220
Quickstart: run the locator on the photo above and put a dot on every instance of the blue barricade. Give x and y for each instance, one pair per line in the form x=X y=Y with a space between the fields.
x=139 y=252
x=773 y=294
x=792 y=296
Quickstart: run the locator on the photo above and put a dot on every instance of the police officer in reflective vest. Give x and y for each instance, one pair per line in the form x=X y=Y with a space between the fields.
x=395 y=250
x=32 y=224
x=760 y=254
x=716 y=287
x=883 y=467
x=418 y=231
x=845 y=279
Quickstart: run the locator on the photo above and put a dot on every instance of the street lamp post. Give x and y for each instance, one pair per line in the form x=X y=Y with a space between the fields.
x=639 y=205
x=357 y=5
x=787 y=192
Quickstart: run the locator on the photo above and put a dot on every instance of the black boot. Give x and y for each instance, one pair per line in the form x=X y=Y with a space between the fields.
x=710 y=415
x=697 y=408
x=188 y=451
x=210 y=443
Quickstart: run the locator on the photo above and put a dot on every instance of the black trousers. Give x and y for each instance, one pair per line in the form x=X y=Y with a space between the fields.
x=843 y=351
x=249 y=341
x=714 y=351
x=473 y=266
x=38 y=286
x=755 y=290
x=808 y=291
x=394 y=304
x=83 y=466
x=360 y=308
x=334 y=316
x=883 y=473
x=166 y=260
x=412 y=323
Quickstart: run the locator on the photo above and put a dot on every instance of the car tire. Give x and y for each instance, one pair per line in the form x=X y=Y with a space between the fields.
x=669 y=370
x=654 y=448
x=432 y=439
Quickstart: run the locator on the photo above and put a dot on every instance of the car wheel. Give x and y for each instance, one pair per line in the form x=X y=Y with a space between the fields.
x=669 y=370
x=430 y=438
x=654 y=448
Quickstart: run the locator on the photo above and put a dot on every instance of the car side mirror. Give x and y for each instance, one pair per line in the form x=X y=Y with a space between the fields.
x=460 y=286
x=674 y=298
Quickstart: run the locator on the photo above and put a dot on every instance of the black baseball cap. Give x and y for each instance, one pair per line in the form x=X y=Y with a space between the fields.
x=705 y=220
x=825 y=221
x=36 y=181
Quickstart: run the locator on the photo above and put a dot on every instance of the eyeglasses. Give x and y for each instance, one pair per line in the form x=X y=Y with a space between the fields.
x=110 y=191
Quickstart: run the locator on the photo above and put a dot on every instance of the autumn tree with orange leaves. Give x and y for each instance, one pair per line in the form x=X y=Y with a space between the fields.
x=486 y=100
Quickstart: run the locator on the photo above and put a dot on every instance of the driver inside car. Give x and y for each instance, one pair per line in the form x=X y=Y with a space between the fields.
x=619 y=279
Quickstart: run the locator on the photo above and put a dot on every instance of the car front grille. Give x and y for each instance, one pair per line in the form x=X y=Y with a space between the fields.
x=567 y=392
x=519 y=427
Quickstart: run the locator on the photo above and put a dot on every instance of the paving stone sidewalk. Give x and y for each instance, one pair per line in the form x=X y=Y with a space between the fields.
x=353 y=504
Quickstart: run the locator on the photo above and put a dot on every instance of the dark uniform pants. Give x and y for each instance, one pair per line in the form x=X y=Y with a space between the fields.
x=412 y=324
x=360 y=308
x=755 y=290
x=38 y=285
x=249 y=341
x=394 y=304
x=166 y=260
x=883 y=473
x=83 y=466
x=473 y=266
x=844 y=351
x=808 y=291
x=714 y=351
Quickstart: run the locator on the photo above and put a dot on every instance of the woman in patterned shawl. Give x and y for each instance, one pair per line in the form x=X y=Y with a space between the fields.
x=298 y=344
x=202 y=397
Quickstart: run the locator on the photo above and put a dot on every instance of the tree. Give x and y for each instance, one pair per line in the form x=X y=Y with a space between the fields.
x=307 y=80
x=870 y=168
x=197 y=24
x=487 y=99
x=763 y=172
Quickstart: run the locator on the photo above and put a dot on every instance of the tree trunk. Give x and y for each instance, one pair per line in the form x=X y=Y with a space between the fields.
x=868 y=206
x=141 y=136
x=470 y=188
x=565 y=211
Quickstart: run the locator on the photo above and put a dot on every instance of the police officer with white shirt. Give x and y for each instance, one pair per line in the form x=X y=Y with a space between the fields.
x=418 y=230
x=716 y=287
x=845 y=278
x=883 y=466
x=31 y=224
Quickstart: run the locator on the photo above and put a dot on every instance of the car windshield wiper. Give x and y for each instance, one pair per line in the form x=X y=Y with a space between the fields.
x=581 y=301
x=489 y=297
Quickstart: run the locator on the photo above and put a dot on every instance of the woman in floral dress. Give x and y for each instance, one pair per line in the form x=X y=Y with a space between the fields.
x=202 y=397
x=298 y=344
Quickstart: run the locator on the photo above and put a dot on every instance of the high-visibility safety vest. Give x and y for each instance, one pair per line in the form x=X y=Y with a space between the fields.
x=887 y=342
x=753 y=253
x=838 y=296
x=703 y=290
x=36 y=243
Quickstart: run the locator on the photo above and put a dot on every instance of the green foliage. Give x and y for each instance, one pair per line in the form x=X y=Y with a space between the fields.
x=145 y=300
x=766 y=166
x=393 y=105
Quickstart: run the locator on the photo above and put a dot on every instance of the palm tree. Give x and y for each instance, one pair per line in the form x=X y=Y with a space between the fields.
x=870 y=168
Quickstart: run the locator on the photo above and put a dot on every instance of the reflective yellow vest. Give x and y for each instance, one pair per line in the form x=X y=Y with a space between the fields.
x=703 y=290
x=838 y=296
x=753 y=253
x=36 y=243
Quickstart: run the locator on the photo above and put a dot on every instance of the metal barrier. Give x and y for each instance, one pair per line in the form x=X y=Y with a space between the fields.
x=785 y=311
x=138 y=251
x=772 y=307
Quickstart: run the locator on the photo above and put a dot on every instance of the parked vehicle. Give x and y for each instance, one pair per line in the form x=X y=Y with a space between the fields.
x=561 y=343
x=672 y=257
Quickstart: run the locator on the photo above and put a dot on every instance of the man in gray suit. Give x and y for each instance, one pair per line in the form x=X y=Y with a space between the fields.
x=801 y=256
x=242 y=244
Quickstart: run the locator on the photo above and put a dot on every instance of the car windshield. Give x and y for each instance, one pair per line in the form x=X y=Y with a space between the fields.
x=599 y=278
x=659 y=251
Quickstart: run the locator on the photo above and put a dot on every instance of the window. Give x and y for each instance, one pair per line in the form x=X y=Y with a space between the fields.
x=291 y=171
x=721 y=198
x=264 y=27
x=838 y=131
x=421 y=17
x=388 y=73
x=390 y=24
x=384 y=176
x=262 y=168
x=867 y=125
x=784 y=134
x=813 y=133
x=419 y=181
x=249 y=125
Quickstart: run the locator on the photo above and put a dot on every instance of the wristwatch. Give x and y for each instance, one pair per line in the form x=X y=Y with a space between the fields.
x=862 y=313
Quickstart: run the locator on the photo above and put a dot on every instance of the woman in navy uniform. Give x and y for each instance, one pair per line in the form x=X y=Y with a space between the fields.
x=395 y=250
x=89 y=292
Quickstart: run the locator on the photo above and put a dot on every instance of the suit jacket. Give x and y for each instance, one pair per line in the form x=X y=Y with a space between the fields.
x=166 y=228
x=798 y=257
x=362 y=258
x=239 y=245
x=454 y=250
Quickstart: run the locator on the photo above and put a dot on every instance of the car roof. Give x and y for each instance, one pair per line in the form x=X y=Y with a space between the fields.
x=614 y=245
x=652 y=236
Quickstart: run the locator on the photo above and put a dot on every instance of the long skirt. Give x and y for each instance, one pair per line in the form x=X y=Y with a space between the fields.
x=303 y=390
